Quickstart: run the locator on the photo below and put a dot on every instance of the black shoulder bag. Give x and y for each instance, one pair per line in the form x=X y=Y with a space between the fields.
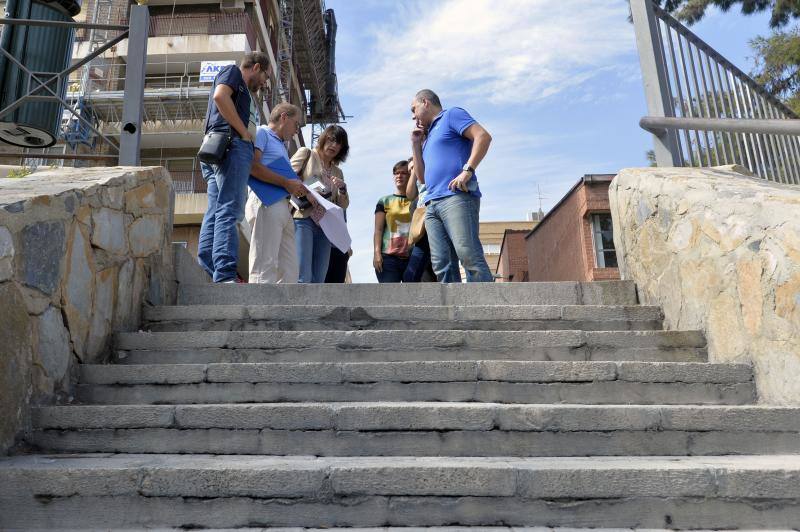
x=215 y=144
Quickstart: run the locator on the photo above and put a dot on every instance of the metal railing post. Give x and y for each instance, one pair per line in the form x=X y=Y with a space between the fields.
x=132 y=110
x=654 y=75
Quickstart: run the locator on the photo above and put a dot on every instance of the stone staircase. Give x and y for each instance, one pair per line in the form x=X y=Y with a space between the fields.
x=540 y=404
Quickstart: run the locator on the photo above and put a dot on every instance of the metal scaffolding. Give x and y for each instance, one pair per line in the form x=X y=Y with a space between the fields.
x=176 y=100
x=286 y=48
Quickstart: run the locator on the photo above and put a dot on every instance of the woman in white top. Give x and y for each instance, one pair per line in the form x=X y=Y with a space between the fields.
x=319 y=165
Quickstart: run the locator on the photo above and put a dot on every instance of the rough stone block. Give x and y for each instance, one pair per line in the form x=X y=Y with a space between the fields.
x=54 y=353
x=275 y=416
x=151 y=374
x=729 y=268
x=411 y=477
x=99 y=336
x=43 y=246
x=78 y=289
x=145 y=235
x=109 y=231
x=15 y=364
x=577 y=418
x=684 y=372
x=417 y=371
x=129 y=416
x=141 y=199
x=277 y=372
x=6 y=254
x=427 y=416
x=535 y=371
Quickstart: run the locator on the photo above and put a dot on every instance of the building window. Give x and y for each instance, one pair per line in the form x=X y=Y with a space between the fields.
x=492 y=249
x=603 y=233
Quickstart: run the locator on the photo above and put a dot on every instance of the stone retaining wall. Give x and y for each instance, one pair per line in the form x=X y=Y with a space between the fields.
x=80 y=251
x=718 y=251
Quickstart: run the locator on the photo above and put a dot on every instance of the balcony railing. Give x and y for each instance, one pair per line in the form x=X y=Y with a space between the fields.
x=206 y=24
x=188 y=182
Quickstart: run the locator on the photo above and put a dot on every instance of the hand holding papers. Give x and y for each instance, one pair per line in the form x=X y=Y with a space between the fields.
x=332 y=222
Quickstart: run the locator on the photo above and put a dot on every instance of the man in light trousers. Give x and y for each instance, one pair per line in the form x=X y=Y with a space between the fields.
x=454 y=146
x=273 y=253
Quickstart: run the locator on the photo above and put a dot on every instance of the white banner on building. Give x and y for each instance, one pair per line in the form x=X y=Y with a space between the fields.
x=210 y=69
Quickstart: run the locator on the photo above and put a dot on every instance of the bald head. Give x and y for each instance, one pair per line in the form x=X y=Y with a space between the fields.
x=430 y=96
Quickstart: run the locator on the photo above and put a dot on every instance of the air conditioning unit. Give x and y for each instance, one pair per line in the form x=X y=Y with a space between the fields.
x=228 y=6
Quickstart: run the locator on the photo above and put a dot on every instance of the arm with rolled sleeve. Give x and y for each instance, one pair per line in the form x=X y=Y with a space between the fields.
x=467 y=127
x=223 y=98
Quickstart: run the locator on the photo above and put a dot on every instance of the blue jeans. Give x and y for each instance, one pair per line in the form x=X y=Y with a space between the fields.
x=218 y=247
x=393 y=269
x=452 y=226
x=420 y=262
x=313 y=251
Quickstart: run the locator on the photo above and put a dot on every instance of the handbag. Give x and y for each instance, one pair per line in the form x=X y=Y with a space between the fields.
x=214 y=147
x=215 y=144
x=417 y=230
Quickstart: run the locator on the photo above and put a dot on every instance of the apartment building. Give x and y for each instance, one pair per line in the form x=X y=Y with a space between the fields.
x=188 y=41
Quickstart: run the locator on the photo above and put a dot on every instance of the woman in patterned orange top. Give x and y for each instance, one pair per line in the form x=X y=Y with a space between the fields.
x=392 y=227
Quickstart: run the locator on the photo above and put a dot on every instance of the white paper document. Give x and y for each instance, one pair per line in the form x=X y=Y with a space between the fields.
x=333 y=223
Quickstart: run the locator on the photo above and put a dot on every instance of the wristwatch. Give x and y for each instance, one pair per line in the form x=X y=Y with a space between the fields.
x=468 y=168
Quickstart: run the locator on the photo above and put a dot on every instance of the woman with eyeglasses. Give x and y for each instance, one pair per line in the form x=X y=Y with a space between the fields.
x=319 y=170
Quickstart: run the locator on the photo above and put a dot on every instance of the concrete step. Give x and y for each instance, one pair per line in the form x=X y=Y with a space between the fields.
x=564 y=293
x=486 y=380
x=202 y=347
x=418 y=429
x=414 y=317
x=127 y=491
x=392 y=529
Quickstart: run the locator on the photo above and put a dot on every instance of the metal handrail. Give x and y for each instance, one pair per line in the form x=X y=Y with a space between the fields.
x=700 y=43
x=703 y=110
x=658 y=125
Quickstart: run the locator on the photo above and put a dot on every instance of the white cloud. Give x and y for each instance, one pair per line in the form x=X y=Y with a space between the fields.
x=498 y=58
x=504 y=50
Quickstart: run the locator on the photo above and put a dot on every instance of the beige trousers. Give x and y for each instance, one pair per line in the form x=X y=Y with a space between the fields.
x=273 y=253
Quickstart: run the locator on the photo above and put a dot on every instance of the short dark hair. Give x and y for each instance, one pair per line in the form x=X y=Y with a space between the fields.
x=253 y=58
x=398 y=165
x=336 y=134
x=427 y=94
x=283 y=107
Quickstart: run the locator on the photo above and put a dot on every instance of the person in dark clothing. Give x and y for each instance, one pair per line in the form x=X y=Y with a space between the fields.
x=337 y=266
x=229 y=111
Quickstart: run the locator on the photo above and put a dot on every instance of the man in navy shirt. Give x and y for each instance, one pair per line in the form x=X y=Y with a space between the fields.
x=229 y=111
x=454 y=146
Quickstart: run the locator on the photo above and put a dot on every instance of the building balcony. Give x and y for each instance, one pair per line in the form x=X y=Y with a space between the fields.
x=190 y=182
x=190 y=37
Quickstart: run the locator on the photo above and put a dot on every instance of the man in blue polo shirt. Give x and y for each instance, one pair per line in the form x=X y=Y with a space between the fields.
x=454 y=145
x=229 y=111
x=273 y=254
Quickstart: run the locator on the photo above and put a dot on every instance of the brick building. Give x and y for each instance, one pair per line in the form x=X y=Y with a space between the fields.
x=512 y=265
x=574 y=241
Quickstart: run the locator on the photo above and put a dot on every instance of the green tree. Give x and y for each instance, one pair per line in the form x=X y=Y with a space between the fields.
x=690 y=11
x=778 y=65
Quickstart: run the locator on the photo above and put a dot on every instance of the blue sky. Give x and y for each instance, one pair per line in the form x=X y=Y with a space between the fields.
x=556 y=83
